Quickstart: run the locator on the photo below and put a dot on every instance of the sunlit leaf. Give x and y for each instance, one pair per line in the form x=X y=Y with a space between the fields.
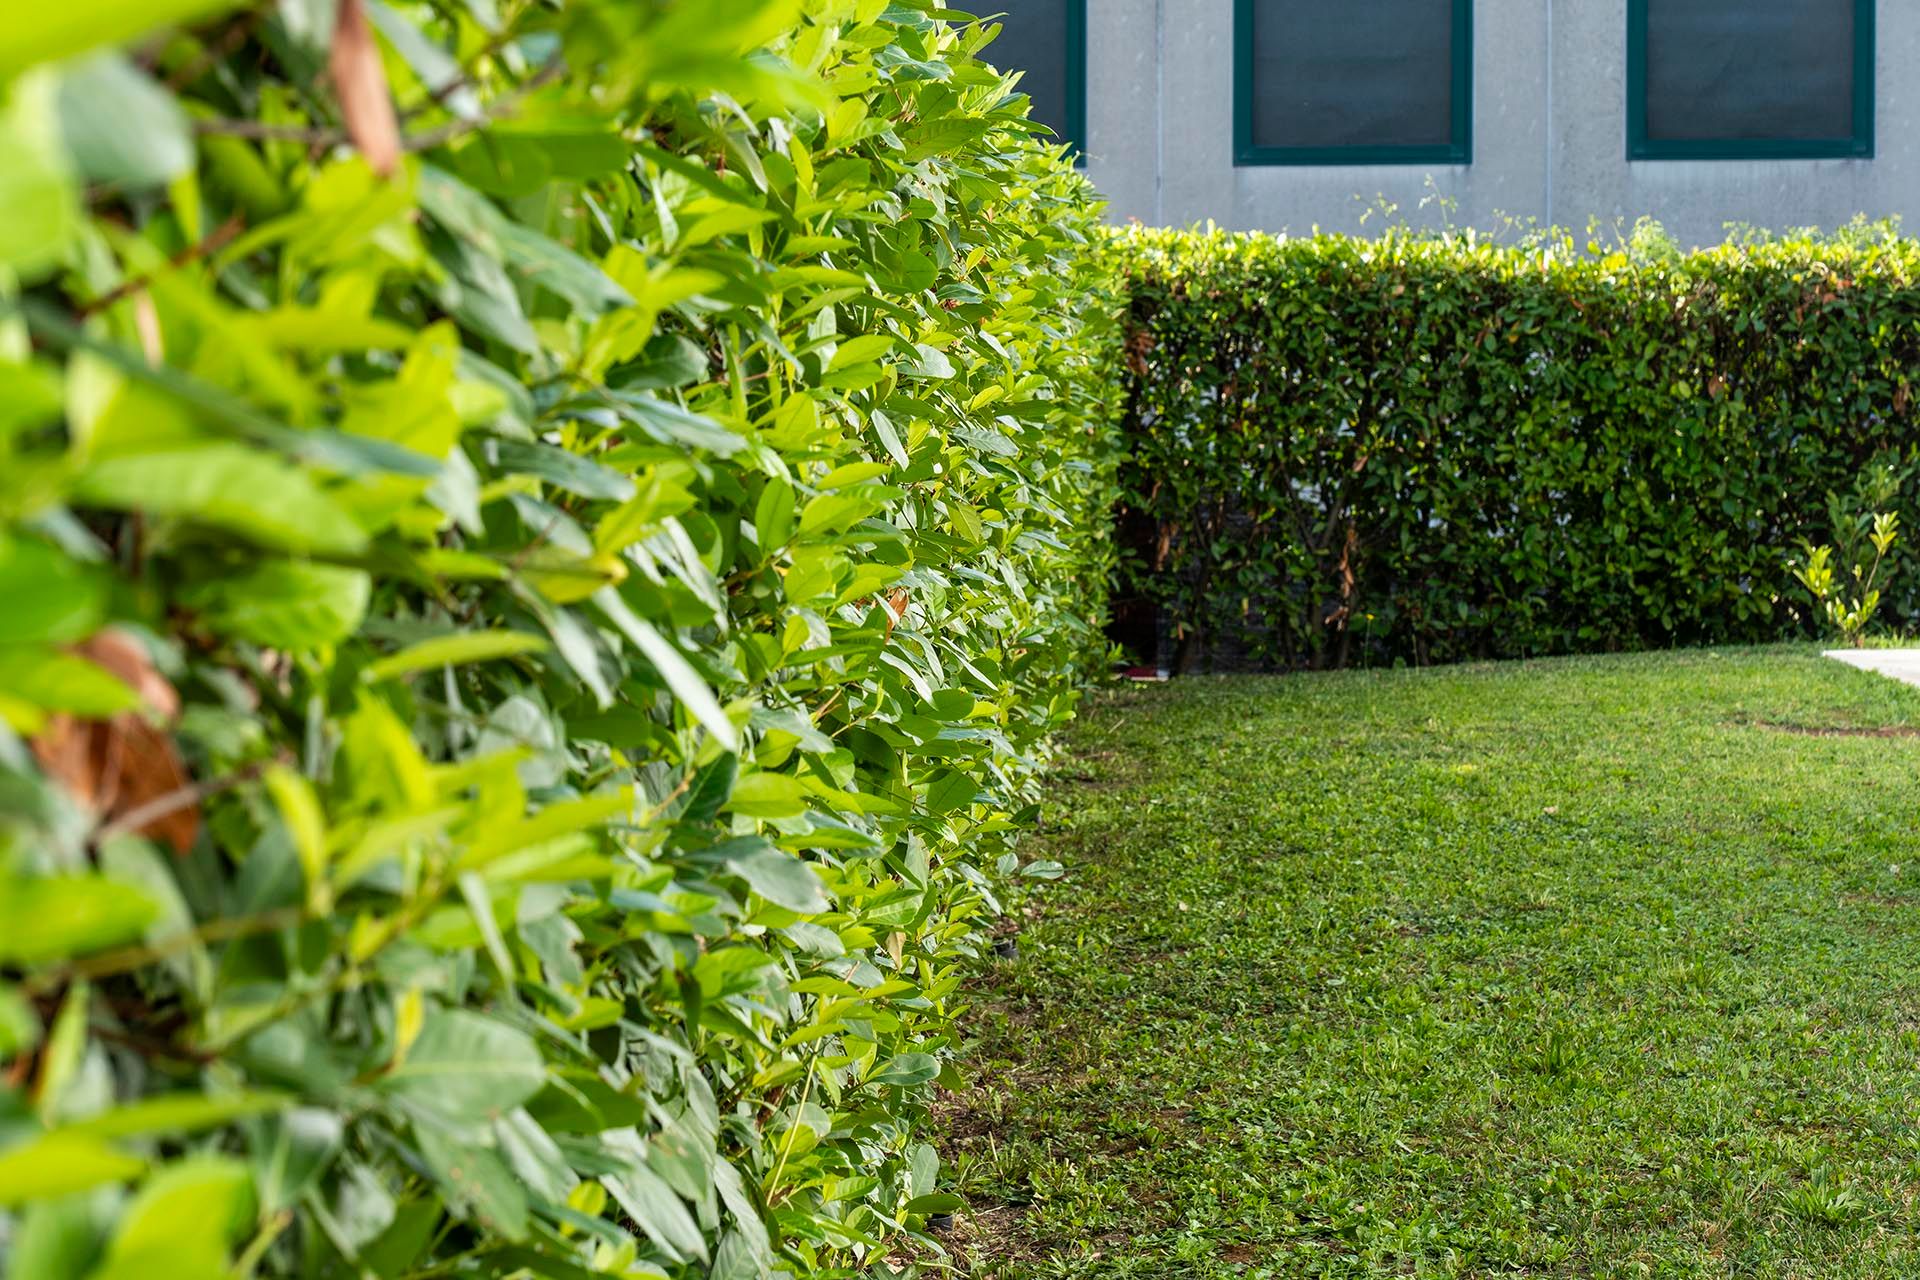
x=456 y=650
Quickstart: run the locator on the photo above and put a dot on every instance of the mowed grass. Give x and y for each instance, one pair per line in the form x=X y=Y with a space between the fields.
x=1585 y=967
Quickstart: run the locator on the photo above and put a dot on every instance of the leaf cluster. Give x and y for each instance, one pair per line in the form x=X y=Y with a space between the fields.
x=533 y=607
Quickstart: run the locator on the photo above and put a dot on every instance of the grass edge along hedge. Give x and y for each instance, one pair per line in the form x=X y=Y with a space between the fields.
x=1429 y=448
x=542 y=545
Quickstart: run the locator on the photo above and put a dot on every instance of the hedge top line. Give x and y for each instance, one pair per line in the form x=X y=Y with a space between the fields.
x=1146 y=252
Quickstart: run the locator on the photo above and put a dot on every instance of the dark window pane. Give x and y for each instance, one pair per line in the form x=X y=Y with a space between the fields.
x=1749 y=69
x=1352 y=73
x=1034 y=38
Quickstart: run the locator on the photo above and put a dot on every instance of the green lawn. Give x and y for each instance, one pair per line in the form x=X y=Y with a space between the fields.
x=1588 y=967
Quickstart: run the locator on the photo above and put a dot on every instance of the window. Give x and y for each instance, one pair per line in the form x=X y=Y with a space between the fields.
x=1353 y=81
x=1047 y=40
x=1749 y=79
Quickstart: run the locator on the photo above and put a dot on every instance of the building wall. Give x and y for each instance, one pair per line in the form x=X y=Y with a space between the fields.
x=1549 y=135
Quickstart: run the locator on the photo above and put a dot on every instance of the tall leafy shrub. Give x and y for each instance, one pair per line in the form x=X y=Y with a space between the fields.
x=540 y=545
x=1432 y=448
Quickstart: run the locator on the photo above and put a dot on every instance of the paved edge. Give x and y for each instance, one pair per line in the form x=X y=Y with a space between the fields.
x=1895 y=664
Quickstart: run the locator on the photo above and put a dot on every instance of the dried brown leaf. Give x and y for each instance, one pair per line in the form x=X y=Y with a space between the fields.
x=897 y=601
x=360 y=81
x=116 y=766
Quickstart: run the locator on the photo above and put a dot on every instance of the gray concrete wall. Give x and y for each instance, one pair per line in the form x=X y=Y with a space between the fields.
x=1549 y=135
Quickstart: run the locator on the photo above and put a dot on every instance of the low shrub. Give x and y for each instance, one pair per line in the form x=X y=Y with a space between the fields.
x=1423 y=449
x=541 y=545
x=1847 y=593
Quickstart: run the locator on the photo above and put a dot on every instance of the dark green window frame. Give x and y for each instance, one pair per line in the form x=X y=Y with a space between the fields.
x=1075 y=77
x=1459 y=151
x=1077 y=81
x=1857 y=147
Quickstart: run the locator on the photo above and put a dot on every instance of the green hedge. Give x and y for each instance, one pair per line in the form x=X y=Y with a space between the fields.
x=521 y=675
x=1424 y=449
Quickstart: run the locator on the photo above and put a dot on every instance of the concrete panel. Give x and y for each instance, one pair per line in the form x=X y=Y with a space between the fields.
x=1123 y=134
x=1549 y=135
x=1696 y=199
x=1198 y=180
x=1506 y=178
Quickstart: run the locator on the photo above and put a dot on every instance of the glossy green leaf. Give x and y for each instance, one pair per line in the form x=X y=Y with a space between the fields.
x=285 y=604
x=456 y=650
x=39 y=208
x=656 y=1210
x=467 y=1067
x=908 y=1069
x=301 y=1143
x=183 y=1218
x=225 y=487
x=58 y=1164
x=782 y=879
x=59 y=681
x=52 y=917
x=564 y=470
x=672 y=666
x=773 y=515
x=669 y=360
x=478 y=1181
x=768 y=795
x=935 y=1202
x=49 y=34
x=50 y=597
x=120 y=126
x=179 y=1113
x=56 y=1239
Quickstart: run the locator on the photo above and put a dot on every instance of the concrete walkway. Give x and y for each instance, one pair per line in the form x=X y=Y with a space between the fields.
x=1899 y=664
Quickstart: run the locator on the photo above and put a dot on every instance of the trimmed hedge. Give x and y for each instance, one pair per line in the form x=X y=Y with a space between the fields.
x=1343 y=451
x=521 y=673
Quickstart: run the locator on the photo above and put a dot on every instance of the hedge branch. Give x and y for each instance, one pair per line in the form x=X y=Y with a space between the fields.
x=424 y=140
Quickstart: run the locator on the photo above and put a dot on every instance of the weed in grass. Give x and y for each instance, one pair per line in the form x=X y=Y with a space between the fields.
x=1559 y=1056
x=1823 y=1201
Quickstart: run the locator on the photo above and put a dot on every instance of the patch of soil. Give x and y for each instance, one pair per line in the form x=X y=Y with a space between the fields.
x=1836 y=730
x=995 y=1236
